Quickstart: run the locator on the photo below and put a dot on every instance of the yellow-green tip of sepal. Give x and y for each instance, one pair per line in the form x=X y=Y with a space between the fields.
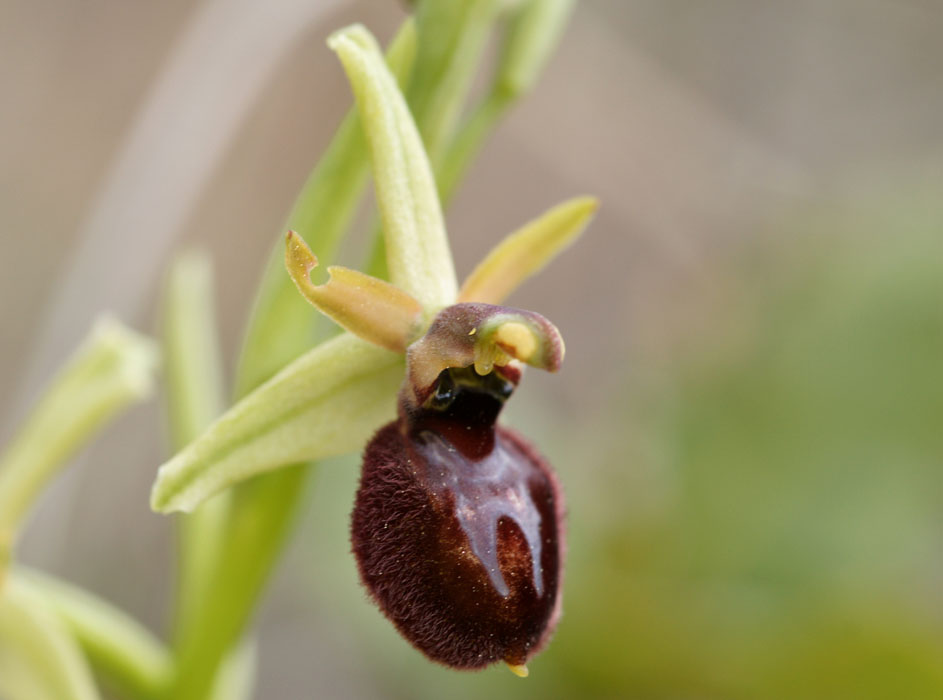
x=528 y=250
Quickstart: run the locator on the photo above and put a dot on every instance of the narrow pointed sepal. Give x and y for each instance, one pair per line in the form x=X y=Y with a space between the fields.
x=368 y=307
x=418 y=254
x=526 y=251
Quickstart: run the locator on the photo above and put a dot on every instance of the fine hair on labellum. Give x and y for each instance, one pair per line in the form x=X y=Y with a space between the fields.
x=458 y=528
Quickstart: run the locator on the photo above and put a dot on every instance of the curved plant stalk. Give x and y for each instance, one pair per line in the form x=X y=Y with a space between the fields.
x=119 y=649
x=39 y=660
x=111 y=370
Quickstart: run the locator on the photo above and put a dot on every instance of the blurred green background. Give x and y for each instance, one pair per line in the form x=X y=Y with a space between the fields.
x=748 y=422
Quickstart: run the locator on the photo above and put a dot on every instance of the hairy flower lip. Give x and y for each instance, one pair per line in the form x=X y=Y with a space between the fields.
x=458 y=523
x=418 y=562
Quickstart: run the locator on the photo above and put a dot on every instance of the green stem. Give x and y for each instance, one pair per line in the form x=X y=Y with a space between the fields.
x=452 y=39
x=194 y=399
x=468 y=142
x=262 y=511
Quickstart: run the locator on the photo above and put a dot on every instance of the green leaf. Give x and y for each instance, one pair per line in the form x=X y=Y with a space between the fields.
x=418 y=253
x=325 y=403
x=112 y=369
x=38 y=658
x=117 y=646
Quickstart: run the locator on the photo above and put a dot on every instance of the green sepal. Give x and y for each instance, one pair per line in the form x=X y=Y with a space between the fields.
x=326 y=403
x=418 y=255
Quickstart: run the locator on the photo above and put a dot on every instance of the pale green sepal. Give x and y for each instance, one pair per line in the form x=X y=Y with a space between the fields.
x=526 y=251
x=281 y=325
x=39 y=660
x=116 y=645
x=418 y=253
x=113 y=368
x=325 y=403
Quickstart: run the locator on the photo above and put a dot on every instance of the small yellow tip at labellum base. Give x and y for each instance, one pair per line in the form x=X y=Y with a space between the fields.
x=377 y=311
x=519 y=670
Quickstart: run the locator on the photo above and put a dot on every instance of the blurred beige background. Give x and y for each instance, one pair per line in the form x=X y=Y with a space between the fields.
x=699 y=125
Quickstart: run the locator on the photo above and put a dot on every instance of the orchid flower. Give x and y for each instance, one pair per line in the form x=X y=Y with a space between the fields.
x=458 y=522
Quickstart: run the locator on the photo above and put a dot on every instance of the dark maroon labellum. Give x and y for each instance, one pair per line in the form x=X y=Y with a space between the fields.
x=458 y=526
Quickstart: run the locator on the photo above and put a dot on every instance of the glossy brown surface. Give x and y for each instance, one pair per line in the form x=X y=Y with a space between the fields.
x=457 y=530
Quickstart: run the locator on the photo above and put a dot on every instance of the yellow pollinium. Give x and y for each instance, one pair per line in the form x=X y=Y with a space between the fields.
x=517 y=340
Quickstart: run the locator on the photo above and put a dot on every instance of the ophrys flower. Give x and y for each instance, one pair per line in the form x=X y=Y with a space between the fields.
x=458 y=522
